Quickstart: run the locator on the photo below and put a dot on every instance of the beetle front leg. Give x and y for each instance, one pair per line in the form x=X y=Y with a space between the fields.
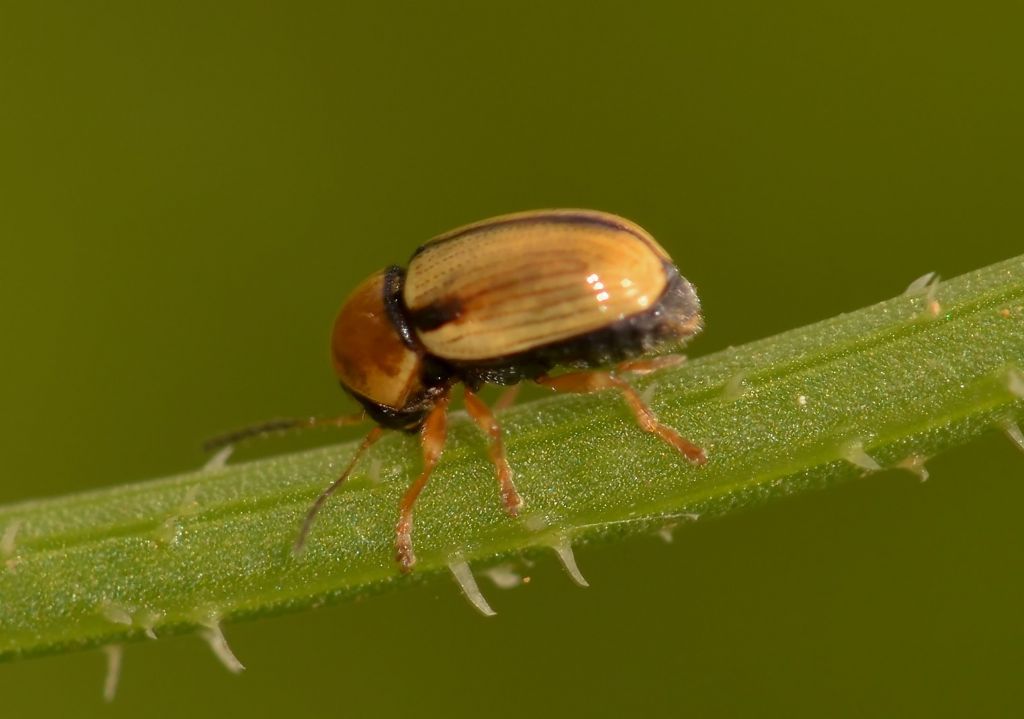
x=432 y=438
x=585 y=382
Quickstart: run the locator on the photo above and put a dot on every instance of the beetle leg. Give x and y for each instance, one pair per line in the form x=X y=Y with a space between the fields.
x=432 y=437
x=307 y=523
x=595 y=381
x=488 y=424
x=653 y=364
x=280 y=425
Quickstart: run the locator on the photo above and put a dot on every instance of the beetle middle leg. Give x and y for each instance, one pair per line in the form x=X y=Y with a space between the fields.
x=594 y=381
x=432 y=437
x=488 y=424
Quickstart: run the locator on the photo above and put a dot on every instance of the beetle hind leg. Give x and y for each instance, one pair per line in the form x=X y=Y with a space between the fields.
x=585 y=382
x=488 y=424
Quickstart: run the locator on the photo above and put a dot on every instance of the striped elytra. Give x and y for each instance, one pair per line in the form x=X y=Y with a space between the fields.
x=508 y=285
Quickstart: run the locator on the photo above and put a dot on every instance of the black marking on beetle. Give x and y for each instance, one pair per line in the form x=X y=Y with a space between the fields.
x=436 y=314
x=394 y=278
x=407 y=419
x=581 y=217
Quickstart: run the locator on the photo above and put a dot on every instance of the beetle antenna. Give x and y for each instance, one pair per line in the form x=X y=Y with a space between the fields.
x=276 y=426
x=307 y=524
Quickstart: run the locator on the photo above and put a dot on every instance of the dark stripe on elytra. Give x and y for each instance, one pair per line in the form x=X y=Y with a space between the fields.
x=426 y=265
x=452 y=306
x=436 y=314
x=508 y=298
x=673 y=283
x=623 y=339
x=581 y=218
x=499 y=288
x=447 y=310
x=542 y=258
x=546 y=318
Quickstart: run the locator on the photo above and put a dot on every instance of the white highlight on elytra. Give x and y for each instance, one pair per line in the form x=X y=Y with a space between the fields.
x=115 y=653
x=915 y=463
x=7 y=541
x=212 y=634
x=464 y=576
x=1012 y=430
x=854 y=454
x=595 y=282
x=564 y=551
x=220 y=459
x=504 y=576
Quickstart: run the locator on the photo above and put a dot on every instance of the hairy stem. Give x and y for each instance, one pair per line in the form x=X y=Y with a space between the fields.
x=889 y=385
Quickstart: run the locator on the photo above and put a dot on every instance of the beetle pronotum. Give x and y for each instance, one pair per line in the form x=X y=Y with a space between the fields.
x=502 y=301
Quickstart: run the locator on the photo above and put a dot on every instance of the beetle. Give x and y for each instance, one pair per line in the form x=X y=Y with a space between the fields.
x=503 y=301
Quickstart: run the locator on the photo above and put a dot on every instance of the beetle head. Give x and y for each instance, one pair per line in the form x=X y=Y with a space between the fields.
x=370 y=358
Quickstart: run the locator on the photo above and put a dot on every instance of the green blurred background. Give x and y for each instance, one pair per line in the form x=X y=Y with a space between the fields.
x=188 y=190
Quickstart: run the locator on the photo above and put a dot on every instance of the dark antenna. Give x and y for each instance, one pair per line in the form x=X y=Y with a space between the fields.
x=307 y=524
x=276 y=426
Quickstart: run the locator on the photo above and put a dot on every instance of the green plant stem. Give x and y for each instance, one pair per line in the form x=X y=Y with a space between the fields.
x=889 y=385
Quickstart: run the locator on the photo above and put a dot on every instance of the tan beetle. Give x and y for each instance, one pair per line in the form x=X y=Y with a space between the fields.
x=501 y=301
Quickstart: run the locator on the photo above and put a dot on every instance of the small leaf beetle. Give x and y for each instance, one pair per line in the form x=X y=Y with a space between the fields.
x=502 y=301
